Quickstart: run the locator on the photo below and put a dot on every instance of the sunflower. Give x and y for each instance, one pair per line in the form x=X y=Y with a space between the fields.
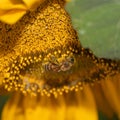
x=46 y=69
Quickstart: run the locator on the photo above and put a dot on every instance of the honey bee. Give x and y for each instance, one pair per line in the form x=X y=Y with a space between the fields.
x=58 y=67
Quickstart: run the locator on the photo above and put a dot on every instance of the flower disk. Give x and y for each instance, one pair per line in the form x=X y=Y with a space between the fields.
x=46 y=56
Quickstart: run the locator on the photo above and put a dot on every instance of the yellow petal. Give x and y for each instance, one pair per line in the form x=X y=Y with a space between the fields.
x=46 y=108
x=33 y=4
x=11 y=11
x=12 y=16
x=28 y=108
x=85 y=109
x=11 y=4
x=101 y=101
x=10 y=109
x=111 y=91
x=72 y=106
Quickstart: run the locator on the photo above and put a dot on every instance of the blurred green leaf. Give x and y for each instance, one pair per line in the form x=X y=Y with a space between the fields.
x=98 y=25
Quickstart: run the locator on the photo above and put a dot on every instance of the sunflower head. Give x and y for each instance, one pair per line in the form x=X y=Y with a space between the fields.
x=42 y=54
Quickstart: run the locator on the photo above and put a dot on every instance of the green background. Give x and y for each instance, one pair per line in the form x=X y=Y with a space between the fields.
x=98 y=26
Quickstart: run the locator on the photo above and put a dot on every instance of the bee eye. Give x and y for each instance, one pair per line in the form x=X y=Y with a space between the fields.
x=71 y=60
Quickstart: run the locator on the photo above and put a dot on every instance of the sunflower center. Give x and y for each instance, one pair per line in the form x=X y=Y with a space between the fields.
x=57 y=72
x=52 y=71
x=41 y=72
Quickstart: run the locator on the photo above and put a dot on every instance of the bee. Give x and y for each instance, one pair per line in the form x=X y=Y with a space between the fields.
x=58 y=67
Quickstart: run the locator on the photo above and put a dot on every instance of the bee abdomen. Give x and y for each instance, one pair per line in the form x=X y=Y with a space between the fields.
x=52 y=67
